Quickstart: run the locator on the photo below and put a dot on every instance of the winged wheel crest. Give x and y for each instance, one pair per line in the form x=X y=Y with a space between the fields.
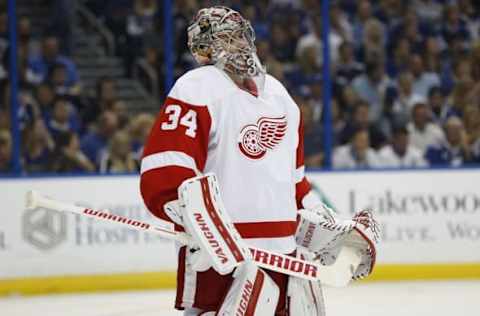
x=256 y=139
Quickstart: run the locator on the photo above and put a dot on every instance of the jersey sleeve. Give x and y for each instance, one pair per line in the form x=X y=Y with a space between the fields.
x=175 y=150
x=302 y=186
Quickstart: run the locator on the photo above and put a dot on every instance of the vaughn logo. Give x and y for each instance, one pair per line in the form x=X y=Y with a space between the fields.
x=44 y=229
x=255 y=139
x=214 y=244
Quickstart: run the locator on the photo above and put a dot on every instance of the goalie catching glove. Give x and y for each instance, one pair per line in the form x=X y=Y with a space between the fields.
x=325 y=236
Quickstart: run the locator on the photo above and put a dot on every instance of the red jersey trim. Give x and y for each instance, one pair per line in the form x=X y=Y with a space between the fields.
x=266 y=229
x=301 y=189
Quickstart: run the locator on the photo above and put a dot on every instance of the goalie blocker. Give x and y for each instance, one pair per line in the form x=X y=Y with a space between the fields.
x=206 y=220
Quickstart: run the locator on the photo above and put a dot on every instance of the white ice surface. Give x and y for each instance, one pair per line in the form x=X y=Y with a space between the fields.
x=460 y=298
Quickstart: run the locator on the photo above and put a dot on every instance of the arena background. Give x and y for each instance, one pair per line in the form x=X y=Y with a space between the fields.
x=82 y=81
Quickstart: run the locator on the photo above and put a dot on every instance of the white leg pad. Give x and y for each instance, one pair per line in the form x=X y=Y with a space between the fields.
x=207 y=220
x=253 y=293
x=305 y=298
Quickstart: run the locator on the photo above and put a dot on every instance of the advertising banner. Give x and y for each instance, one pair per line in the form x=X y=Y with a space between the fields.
x=426 y=217
x=43 y=243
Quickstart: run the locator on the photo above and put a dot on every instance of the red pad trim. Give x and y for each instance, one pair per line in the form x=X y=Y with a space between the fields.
x=180 y=278
x=218 y=223
x=266 y=229
x=252 y=303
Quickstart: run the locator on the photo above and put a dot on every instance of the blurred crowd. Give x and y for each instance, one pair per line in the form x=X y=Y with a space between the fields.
x=405 y=82
x=405 y=74
x=63 y=129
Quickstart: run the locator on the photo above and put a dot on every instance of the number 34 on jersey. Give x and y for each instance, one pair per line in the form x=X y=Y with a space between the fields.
x=175 y=118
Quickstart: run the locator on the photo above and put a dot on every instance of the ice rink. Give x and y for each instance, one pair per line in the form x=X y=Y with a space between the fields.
x=459 y=298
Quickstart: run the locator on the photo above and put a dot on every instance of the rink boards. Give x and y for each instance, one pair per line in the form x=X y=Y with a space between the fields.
x=430 y=223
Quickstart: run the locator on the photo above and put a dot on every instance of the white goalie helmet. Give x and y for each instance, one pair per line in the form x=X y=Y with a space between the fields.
x=222 y=37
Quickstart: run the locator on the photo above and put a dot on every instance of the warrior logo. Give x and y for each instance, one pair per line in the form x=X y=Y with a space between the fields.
x=255 y=139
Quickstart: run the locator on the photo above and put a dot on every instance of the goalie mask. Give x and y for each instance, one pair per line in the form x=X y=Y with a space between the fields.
x=221 y=36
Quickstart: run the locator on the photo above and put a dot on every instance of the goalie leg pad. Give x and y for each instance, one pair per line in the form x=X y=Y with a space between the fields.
x=305 y=298
x=253 y=293
x=206 y=219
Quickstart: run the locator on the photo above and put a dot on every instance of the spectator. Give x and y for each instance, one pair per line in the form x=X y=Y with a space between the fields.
x=400 y=153
x=95 y=142
x=312 y=134
x=400 y=58
x=360 y=120
x=453 y=26
x=6 y=162
x=106 y=95
x=140 y=24
x=27 y=109
x=4 y=45
x=371 y=87
x=68 y=157
x=340 y=27
x=363 y=14
x=423 y=133
x=348 y=99
x=410 y=28
x=315 y=96
x=432 y=55
x=120 y=108
x=437 y=104
x=27 y=78
x=338 y=118
x=26 y=42
x=471 y=120
x=428 y=10
x=348 y=68
x=45 y=97
x=58 y=78
x=475 y=61
x=139 y=129
x=143 y=18
x=454 y=151
x=461 y=96
x=423 y=81
x=39 y=146
x=303 y=73
x=63 y=118
x=49 y=57
x=402 y=99
x=389 y=12
x=313 y=40
x=373 y=40
x=4 y=120
x=62 y=21
x=356 y=154
x=119 y=158
x=283 y=48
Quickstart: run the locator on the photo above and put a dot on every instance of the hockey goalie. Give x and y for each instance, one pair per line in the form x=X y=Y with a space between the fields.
x=230 y=132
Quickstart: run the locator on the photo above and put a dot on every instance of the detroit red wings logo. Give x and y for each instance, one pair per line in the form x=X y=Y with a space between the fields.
x=255 y=139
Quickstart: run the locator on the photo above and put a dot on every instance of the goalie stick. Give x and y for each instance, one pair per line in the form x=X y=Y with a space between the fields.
x=333 y=275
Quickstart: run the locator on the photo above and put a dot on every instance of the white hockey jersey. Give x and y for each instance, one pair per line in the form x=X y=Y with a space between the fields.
x=253 y=144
